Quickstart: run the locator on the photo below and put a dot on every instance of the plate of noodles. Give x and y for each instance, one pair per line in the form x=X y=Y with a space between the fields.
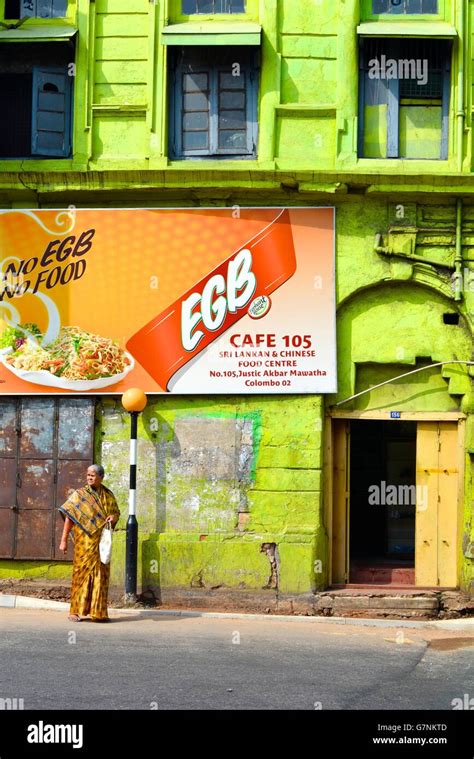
x=76 y=360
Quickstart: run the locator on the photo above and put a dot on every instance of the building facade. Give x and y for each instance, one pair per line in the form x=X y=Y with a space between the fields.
x=362 y=105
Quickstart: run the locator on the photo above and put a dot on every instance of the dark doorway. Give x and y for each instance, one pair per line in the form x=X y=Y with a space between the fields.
x=382 y=502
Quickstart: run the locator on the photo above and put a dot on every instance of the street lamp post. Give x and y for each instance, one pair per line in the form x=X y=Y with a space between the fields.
x=134 y=401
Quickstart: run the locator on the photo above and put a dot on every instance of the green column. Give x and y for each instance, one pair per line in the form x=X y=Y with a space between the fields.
x=270 y=82
x=348 y=71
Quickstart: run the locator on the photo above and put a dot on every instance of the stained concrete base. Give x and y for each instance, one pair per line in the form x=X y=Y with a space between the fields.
x=365 y=602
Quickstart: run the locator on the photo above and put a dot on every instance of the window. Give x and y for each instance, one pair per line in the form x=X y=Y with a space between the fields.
x=35 y=8
x=215 y=109
x=404 y=94
x=405 y=6
x=189 y=7
x=35 y=100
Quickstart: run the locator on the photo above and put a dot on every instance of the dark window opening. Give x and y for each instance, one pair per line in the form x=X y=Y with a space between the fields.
x=35 y=100
x=405 y=6
x=16 y=9
x=404 y=96
x=15 y=106
x=214 y=104
x=189 y=7
x=451 y=319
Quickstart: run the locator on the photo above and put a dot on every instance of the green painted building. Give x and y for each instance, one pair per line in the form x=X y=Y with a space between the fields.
x=361 y=105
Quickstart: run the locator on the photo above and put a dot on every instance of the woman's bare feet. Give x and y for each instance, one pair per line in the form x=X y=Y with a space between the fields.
x=74 y=618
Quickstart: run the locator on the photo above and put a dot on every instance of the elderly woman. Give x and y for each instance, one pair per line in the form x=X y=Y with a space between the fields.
x=86 y=511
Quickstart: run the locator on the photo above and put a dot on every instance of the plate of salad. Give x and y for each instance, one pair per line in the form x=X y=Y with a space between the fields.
x=76 y=360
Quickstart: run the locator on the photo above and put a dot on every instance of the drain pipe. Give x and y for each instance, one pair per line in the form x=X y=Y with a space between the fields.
x=458 y=261
x=386 y=251
x=460 y=109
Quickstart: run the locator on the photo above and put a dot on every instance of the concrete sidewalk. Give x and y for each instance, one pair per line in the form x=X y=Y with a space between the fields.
x=454 y=625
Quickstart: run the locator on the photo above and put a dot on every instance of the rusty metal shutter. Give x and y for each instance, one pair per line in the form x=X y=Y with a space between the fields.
x=75 y=452
x=46 y=444
x=8 y=463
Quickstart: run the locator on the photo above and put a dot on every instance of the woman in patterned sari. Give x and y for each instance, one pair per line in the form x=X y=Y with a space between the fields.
x=85 y=512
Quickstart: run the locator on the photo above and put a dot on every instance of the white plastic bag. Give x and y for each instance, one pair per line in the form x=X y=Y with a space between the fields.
x=105 y=545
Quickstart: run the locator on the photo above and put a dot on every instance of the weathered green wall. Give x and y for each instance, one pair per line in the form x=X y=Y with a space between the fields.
x=203 y=515
x=216 y=479
x=308 y=95
x=391 y=318
x=37 y=570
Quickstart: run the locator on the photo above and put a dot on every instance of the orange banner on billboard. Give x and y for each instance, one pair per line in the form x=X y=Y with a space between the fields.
x=184 y=301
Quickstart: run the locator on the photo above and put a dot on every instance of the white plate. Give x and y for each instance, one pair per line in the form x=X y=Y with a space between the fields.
x=43 y=377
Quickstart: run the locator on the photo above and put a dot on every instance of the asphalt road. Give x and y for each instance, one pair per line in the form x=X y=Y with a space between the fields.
x=195 y=663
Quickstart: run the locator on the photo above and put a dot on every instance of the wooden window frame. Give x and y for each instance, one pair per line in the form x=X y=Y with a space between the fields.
x=393 y=111
x=35 y=14
x=444 y=7
x=215 y=13
x=69 y=17
x=68 y=112
x=176 y=15
x=214 y=152
x=67 y=153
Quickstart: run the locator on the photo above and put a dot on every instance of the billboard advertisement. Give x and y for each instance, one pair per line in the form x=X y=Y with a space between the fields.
x=185 y=301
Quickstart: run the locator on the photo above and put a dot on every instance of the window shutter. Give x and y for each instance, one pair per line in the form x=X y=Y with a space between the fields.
x=51 y=112
x=212 y=6
x=194 y=113
x=215 y=111
x=234 y=112
x=43 y=8
x=393 y=118
x=445 y=112
x=27 y=8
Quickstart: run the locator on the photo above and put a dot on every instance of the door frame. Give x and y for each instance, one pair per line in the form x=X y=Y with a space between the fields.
x=334 y=415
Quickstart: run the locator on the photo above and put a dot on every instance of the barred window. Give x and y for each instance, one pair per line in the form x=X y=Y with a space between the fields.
x=35 y=9
x=405 y=6
x=190 y=7
x=404 y=90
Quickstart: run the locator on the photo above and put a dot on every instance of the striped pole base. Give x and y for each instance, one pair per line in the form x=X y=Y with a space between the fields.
x=132 y=524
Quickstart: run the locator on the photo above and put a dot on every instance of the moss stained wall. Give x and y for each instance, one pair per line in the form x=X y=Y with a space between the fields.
x=219 y=477
x=308 y=90
x=267 y=486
